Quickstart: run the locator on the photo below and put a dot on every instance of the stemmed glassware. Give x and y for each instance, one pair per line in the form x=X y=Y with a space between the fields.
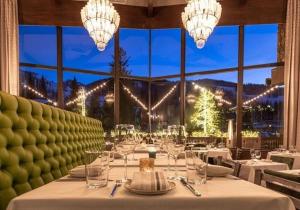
x=125 y=148
x=175 y=150
x=257 y=154
x=252 y=154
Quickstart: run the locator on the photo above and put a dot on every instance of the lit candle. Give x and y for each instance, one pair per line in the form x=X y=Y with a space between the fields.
x=152 y=152
x=146 y=164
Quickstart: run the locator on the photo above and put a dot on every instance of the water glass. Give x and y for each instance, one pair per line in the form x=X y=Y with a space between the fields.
x=191 y=171
x=292 y=149
x=201 y=164
x=96 y=168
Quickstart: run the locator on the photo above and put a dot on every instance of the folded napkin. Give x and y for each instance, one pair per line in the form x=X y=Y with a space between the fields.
x=217 y=171
x=79 y=172
x=117 y=155
x=149 y=181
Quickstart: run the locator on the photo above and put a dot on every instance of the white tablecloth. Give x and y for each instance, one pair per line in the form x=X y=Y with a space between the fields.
x=213 y=152
x=248 y=168
x=217 y=194
x=225 y=153
x=296 y=157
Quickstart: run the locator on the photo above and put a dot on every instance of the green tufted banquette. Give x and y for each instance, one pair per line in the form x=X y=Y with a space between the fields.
x=40 y=143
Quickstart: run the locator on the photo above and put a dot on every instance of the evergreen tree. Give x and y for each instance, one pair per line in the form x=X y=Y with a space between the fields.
x=206 y=114
x=73 y=94
x=43 y=86
x=124 y=63
x=93 y=108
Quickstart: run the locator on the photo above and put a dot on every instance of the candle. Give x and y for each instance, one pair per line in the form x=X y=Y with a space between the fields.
x=152 y=152
x=147 y=164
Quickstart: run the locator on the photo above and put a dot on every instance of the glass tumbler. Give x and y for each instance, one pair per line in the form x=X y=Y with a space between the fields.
x=96 y=169
x=201 y=164
x=191 y=172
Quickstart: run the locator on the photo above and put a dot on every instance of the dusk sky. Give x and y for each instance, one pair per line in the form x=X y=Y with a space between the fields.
x=38 y=46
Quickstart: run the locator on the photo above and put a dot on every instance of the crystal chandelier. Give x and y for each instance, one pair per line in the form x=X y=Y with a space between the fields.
x=199 y=19
x=101 y=20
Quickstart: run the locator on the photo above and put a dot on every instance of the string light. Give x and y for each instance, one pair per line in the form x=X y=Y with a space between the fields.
x=39 y=94
x=82 y=96
x=267 y=92
x=134 y=97
x=164 y=98
x=217 y=97
x=77 y=99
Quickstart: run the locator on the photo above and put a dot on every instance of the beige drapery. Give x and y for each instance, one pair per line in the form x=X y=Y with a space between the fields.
x=9 y=46
x=292 y=75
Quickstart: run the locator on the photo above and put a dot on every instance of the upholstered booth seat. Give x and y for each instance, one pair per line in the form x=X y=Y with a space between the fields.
x=40 y=143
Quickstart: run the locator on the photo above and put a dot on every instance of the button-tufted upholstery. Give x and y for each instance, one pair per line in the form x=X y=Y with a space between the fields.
x=40 y=143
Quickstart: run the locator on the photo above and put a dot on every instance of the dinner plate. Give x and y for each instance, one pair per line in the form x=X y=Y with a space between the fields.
x=172 y=186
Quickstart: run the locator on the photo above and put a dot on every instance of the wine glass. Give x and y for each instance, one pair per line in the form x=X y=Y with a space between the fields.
x=257 y=154
x=125 y=148
x=252 y=154
x=175 y=151
x=292 y=149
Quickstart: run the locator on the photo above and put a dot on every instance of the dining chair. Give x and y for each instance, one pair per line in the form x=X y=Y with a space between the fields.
x=280 y=159
x=235 y=165
x=288 y=184
x=243 y=154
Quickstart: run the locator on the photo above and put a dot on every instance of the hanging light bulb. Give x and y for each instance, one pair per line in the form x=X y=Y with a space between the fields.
x=200 y=18
x=101 y=20
x=109 y=98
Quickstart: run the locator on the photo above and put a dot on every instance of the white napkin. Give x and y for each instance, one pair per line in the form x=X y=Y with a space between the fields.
x=149 y=181
x=117 y=155
x=79 y=171
x=217 y=171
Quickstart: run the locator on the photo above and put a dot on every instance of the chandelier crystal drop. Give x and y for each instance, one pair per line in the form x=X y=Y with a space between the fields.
x=200 y=18
x=101 y=20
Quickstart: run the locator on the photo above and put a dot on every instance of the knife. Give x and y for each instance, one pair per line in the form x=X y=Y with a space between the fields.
x=190 y=187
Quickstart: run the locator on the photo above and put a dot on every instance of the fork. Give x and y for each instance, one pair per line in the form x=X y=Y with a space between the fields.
x=117 y=184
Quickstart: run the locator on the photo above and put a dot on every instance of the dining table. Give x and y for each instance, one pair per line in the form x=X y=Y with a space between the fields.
x=248 y=168
x=226 y=193
x=213 y=152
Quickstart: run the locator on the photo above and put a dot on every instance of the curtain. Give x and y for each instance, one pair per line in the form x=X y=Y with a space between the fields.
x=292 y=76
x=9 y=46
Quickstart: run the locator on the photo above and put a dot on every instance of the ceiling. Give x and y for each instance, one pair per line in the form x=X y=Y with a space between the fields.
x=151 y=13
x=146 y=3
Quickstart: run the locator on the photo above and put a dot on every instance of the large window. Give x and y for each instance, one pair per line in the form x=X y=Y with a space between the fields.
x=134 y=103
x=261 y=44
x=80 y=51
x=95 y=104
x=134 y=52
x=210 y=102
x=220 y=51
x=150 y=77
x=38 y=45
x=165 y=52
x=263 y=104
x=165 y=104
x=39 y=84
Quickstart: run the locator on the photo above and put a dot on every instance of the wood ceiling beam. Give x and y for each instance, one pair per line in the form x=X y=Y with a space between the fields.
x=67 y=13
x=150 y=8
